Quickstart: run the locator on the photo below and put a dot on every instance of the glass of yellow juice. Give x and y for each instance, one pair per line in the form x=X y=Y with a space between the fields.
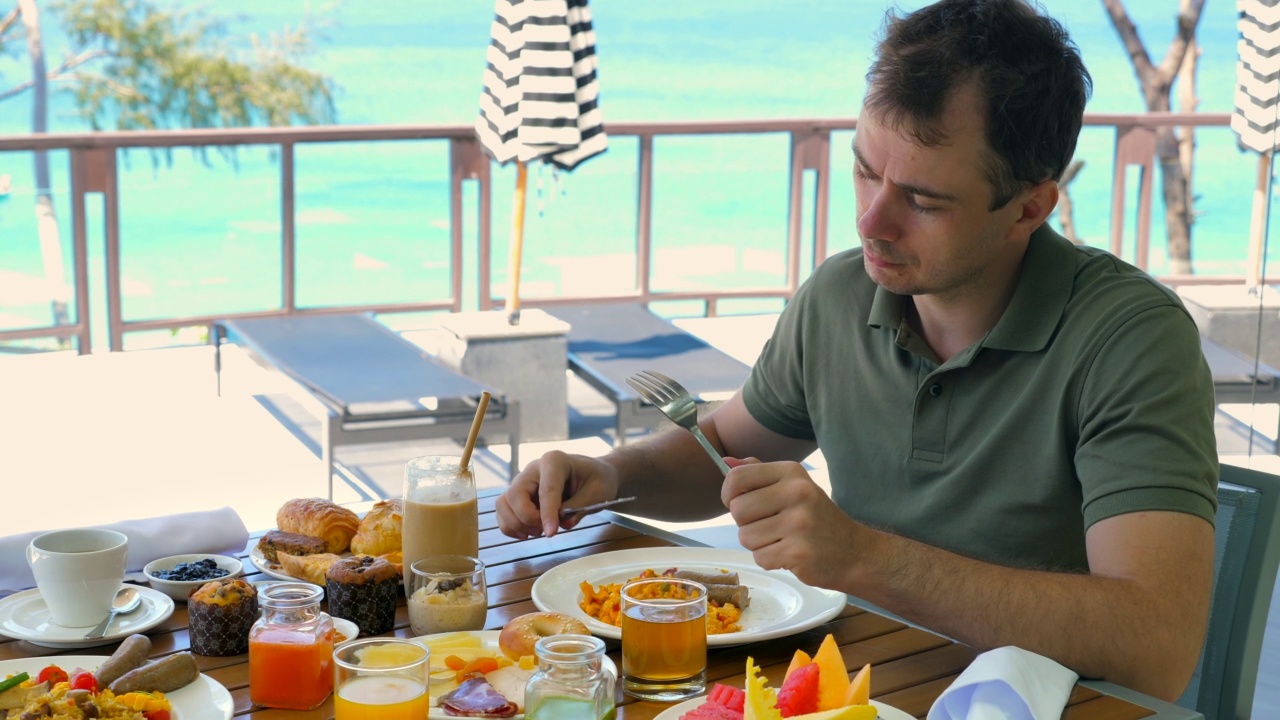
x=664 y=639
x=381 y=679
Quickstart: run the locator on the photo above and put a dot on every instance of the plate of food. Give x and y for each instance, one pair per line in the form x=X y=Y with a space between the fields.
x=812 y=684
x=484 y=649
x=773 y=603
x=312 y=534
x=199 y=698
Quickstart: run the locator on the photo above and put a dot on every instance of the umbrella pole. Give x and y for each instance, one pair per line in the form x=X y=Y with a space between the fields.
x=517 y=243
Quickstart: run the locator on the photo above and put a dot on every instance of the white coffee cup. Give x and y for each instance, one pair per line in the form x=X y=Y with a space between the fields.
x=78 y=573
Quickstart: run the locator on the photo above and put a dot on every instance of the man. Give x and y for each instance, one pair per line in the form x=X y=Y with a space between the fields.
x=1019 y=431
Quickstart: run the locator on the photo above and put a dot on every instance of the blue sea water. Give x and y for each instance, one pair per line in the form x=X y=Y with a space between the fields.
x=202 y=235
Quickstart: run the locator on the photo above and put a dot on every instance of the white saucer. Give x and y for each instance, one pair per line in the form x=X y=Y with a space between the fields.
x=25 y=616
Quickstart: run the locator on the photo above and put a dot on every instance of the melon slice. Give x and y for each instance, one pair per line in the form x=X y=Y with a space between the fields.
x=799 y=660
x=852 y=712
x=833 y=678
x=859 y=692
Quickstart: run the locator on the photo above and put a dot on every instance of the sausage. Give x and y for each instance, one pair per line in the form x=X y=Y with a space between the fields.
x=164 y=675
x=738 y=595
x=711 y=578
x=131 y=654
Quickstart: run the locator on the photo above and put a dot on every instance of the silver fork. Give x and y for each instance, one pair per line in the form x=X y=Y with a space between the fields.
x=677 y=404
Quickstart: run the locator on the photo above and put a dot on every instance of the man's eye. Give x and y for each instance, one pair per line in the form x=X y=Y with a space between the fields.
x=917 y=207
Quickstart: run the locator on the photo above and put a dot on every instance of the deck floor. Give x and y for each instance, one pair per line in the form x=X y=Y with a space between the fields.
x=95 y=439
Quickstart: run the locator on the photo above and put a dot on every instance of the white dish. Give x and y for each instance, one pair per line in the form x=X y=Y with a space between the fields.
x=25 y=616
x=179 y=590
x=780 y=604
x=489 y=640
x=674 y=712
x=203 y=699
x=345 y=628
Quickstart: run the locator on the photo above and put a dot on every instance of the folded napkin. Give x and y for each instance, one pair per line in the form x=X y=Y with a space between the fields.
x=209 y=531
x=1007 y=683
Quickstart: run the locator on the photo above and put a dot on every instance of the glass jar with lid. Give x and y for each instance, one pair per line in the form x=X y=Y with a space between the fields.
x=571 y=682
x=291 y=648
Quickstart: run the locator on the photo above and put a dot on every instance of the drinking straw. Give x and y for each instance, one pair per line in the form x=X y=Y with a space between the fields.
x=475 y=431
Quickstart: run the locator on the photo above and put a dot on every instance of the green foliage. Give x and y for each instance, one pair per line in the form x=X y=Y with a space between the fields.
x=147 y=68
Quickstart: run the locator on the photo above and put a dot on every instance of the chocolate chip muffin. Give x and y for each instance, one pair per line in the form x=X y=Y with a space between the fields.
x=221 y=613
x=363 y=589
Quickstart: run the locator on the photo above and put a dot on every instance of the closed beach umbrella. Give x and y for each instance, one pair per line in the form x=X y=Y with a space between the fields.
x=1256 y=118
x=540 y=99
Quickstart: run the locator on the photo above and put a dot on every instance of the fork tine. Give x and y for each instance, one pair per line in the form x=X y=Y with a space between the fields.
x=657 y=393
x=644 y=391
x=673 y=387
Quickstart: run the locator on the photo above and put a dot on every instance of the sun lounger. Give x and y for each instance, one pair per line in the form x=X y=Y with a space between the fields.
x=1236 y=380
x=610 y=342
x=369 y=384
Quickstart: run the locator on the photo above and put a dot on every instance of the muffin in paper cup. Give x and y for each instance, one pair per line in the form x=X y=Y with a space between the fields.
x=220 y=616
x=363 y=589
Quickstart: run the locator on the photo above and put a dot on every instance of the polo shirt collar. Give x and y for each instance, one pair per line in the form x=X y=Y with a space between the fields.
x=1044 y=287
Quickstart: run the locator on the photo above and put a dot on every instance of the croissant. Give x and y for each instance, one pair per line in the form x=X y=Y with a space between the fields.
x=319 y=518
x=379 y=531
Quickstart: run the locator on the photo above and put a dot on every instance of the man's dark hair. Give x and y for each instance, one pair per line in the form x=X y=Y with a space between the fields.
x=1026 y=68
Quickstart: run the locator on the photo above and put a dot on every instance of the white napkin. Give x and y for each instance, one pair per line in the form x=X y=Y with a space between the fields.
x=1007 y=683
x=209 y=531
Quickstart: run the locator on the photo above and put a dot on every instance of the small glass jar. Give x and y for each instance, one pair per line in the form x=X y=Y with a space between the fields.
x=291 y=649
x=571 y=682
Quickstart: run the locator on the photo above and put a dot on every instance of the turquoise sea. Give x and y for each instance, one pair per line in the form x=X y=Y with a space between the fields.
x=202 y=235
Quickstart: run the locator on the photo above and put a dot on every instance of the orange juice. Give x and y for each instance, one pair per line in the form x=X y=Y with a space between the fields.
x=379 y=697
x=290 y=670
x=659 y=651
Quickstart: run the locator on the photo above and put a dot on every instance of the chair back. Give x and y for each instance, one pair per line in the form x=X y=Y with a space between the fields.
x=1247 y=552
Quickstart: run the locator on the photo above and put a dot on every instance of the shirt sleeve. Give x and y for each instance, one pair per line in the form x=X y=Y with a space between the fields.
x=1146 y=421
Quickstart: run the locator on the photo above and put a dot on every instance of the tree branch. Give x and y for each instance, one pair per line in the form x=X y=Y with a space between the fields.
x=1187 y=22
x=1147 y=73
x=75 y=62
x=8 y=21
x=16 y=90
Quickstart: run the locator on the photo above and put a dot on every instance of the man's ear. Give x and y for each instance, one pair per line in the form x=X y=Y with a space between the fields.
x=1034 y=206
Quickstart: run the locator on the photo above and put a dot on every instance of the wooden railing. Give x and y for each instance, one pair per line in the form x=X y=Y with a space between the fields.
x=93 y=159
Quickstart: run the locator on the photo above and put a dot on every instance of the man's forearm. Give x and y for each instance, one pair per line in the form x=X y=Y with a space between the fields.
x=1101 y=627
x=671 y=477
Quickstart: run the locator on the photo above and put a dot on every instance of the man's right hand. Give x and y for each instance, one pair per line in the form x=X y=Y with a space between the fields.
x=531 y=506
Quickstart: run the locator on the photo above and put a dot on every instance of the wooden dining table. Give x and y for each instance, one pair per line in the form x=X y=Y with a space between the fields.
x=911 y=667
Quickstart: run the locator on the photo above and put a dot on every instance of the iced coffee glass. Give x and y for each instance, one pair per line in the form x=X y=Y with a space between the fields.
x=440 y=516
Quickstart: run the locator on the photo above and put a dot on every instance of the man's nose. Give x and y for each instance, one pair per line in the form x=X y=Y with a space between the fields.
x=878 y=219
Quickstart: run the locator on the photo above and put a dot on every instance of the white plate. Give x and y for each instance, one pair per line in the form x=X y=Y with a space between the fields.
x=203 y=699
x=489 y=640
x=780 y=604
x=267 y=567
x=675 y=711
x=25 y=616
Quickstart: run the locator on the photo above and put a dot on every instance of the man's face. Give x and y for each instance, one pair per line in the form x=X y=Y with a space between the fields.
x=923 y=212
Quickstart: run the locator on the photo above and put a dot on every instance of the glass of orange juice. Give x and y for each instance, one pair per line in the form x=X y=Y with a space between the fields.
x=381 y=678
x=664 y=639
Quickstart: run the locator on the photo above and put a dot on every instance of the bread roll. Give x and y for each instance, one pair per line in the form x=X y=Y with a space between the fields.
x=379 y=531
x=332 y=523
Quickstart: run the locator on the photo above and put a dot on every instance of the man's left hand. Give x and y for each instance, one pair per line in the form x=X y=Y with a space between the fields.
x=787 y=521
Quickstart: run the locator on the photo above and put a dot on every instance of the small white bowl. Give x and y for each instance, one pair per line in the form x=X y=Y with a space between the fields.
x=180 y=589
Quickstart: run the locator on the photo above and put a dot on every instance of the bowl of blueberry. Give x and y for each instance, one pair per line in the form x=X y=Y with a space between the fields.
x=180 y=575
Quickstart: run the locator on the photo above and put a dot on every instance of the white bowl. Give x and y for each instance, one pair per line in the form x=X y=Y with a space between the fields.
x=180 y=589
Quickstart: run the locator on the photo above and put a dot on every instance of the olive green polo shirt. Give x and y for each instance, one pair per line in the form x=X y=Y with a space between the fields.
x=1090 y=398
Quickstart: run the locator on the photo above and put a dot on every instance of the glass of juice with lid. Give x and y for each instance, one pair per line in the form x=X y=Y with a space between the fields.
x=381 y=678
x=440 y=515
x=571 y=682
x=291 y=648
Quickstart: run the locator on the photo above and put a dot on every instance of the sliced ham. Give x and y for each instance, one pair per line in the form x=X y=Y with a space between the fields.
x=475 y=697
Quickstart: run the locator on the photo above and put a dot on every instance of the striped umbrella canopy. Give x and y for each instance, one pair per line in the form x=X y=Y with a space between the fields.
x=1256 y=119
x=540 y=98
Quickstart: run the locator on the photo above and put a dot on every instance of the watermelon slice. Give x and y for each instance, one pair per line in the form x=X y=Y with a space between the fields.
x=712 y=711
x=726 y=696
x=799 y=693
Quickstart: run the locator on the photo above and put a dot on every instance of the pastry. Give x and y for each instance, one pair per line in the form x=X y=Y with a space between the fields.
x=279 y=541
x=330 y=522
x=311 y=568
x=379 y=531
x=363 y=590
x=220 y=613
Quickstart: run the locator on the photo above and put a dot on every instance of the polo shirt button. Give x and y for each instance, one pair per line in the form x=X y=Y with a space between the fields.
x=935 y=390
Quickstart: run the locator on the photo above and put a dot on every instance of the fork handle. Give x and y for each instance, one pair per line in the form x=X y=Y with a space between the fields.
x=706 y=445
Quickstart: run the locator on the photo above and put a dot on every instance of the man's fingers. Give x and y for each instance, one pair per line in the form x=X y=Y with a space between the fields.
x=556 y=469
x=745 y=476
